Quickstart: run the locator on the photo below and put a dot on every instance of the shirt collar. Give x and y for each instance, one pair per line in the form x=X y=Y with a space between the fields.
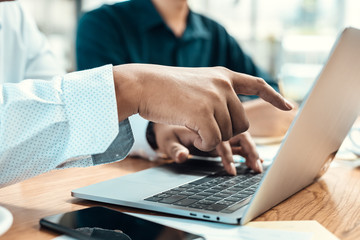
x=195 y=27
x=148 y=17
x=146 y=14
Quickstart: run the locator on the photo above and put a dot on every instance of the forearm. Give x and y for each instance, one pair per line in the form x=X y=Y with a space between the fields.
x=44 y=123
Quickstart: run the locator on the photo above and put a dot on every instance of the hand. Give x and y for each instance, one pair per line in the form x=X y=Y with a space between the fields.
x=202 y=99
x=177 y=143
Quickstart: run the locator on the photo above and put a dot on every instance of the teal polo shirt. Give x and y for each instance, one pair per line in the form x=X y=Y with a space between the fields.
x=134 y=32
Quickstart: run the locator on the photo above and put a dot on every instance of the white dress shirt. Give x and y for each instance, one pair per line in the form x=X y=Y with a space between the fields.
x=68 y=121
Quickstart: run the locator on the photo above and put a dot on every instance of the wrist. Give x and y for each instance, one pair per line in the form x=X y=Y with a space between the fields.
x=127 y=90
x=150 y=136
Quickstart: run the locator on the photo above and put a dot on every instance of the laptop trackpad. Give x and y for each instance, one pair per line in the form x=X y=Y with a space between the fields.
x=174 y=174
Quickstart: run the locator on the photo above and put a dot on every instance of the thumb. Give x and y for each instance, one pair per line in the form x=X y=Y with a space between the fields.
x=178 y=152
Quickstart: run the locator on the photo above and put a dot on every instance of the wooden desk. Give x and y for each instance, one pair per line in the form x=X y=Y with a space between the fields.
x=334 y=201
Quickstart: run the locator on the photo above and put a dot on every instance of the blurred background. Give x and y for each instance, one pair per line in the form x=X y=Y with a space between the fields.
x=291 y=39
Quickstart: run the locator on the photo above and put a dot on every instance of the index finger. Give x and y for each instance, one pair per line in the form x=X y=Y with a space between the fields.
x=249 y=85
x=225 y=152
x=247 y=150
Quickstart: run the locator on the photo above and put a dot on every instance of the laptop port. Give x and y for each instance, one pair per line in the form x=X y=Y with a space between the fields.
x=193 y=214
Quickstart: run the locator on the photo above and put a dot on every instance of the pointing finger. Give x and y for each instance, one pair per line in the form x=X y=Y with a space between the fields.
x=249 y=85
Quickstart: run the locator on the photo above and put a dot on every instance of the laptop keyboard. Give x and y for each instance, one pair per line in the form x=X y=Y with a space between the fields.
x=217 y=192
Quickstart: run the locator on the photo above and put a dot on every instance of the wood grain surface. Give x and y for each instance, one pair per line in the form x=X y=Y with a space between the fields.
x=334 y=200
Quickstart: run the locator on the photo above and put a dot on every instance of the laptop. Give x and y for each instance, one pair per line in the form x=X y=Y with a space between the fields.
x=202 y=190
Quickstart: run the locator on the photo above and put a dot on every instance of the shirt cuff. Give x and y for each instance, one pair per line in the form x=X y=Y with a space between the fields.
x=119 y=148
x=91 y=109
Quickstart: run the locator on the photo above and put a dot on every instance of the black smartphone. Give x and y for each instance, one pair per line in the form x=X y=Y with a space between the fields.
x=98 y=223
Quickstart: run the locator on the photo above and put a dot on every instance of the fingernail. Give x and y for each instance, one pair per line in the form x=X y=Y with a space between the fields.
x=232 y=169
x=259 y=166
x=289 y=104
x=180 y=156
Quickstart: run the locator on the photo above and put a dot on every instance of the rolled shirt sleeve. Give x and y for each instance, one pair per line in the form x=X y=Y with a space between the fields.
x=68 y=121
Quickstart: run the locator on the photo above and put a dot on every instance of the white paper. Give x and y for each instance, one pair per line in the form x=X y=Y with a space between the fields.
x=219 y=231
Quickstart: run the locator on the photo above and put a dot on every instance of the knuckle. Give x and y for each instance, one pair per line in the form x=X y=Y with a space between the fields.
x=214 y=97
x=227 y=135
x=260 y=82
x=243 y=127
x=204 y=107
x=254 y=154
x=222 y=69
x=211 y=145
x=223 y=78
x=225 y=84
x=260 y=85
x=246 y=126
x=217 y=140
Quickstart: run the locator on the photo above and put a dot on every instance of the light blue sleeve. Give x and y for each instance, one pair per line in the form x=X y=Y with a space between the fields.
x=54 y=124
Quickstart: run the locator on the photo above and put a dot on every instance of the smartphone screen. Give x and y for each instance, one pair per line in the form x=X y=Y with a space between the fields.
x=104 y=223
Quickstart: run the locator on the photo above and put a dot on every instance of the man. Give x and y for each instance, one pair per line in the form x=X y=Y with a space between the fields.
x=80 y=119
x=167 y=32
